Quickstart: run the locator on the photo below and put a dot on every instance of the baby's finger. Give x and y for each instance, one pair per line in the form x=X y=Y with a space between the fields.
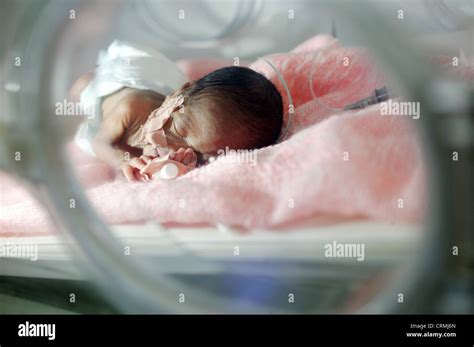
x=178 y=156
x=138 y=176
x=189 y=157
x=128 y=173
x=171 y=154
x=137 y=163
x=144 y=177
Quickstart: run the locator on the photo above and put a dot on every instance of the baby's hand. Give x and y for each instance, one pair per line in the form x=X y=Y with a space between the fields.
x=185 y=156
x=131 y=169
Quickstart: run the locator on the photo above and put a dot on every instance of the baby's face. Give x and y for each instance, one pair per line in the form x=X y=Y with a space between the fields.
x=189 y=127
x=196 y=126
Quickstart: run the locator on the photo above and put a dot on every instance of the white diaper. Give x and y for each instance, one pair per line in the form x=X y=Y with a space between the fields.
x=124 y=65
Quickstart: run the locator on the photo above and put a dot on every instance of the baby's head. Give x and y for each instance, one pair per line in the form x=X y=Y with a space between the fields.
x=231 y=107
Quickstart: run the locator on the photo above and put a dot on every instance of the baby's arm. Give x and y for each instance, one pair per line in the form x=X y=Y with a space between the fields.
x=111 y=131
x=112 y=127
x=123 y=113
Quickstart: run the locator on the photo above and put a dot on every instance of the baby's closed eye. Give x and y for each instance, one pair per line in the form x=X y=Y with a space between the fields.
x=175 y=131
x=176 y=136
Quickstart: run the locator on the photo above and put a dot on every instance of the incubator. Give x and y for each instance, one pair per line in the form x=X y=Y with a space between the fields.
x=159 y=265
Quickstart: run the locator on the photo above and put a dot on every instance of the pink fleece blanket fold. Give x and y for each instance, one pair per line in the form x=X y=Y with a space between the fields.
x=355 y=163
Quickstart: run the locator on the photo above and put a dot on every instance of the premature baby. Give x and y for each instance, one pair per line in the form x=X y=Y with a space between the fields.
x=232 y=107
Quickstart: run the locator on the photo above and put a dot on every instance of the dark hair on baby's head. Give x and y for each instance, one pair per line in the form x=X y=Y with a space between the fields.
x=246 y=105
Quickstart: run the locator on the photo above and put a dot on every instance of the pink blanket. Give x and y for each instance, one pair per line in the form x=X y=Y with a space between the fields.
x=348 y=163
